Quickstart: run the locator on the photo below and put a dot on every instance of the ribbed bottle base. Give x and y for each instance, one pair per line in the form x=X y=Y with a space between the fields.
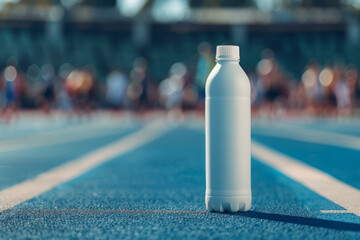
x=228 y=204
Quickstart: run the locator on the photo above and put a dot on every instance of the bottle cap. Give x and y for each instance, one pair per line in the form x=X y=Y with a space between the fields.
x=227 y=52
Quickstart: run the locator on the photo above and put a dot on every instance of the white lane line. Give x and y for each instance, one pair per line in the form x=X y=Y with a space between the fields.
x=26 y=190
x=335 y=211
x=321 y=183
x=313 y=136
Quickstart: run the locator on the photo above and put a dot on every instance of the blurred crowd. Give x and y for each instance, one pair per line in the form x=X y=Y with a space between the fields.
x=321 y=91
x=330 y=90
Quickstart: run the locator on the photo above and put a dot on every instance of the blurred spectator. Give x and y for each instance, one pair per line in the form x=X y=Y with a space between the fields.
x=270 y=84
x=12 y=89
x=2 y=93
x=116 y=85
x=80 y=85
x=47 y=78
x=297 y=95
x=171 y=88
x=327 y=79
x=205 y=64
x=140 y=92
x=63 y=91
x=312 y=87
x=257 y=88
x=10 y=75
x=65 y=101
x=342 y=93
x=190 y=97
x=352 y=81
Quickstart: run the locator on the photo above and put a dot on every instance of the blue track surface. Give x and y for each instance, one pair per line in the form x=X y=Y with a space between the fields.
x=157 y=191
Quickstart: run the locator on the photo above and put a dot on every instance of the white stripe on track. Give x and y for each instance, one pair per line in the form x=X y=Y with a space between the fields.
x=28 y=189
x=335 y=211
x=321 y=183
x=312 y=136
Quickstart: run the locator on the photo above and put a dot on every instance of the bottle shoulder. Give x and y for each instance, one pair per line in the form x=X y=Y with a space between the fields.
x=227 y=80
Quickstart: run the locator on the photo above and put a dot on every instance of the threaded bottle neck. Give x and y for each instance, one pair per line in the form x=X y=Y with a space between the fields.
x=227 y=52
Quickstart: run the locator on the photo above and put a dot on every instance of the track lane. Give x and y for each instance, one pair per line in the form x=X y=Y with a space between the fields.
x=154 y=191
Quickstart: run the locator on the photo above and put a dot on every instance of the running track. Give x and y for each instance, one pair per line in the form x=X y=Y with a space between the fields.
x=124 y=177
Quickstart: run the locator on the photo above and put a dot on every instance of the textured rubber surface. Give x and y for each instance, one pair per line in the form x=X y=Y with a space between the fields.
x=157 y=192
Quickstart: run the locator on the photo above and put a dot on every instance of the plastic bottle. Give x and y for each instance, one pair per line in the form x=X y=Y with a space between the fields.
x=227 y=113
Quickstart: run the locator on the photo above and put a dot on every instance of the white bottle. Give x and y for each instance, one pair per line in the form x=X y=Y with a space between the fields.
x=227 y=112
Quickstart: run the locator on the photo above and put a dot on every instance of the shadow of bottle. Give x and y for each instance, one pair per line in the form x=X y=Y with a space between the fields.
x=315 y=222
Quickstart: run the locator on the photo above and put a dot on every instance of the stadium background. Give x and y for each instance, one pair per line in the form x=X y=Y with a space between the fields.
x=102 y=125
x=301 y=55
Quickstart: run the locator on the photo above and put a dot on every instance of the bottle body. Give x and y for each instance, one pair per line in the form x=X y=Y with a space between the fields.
x=228 y=123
